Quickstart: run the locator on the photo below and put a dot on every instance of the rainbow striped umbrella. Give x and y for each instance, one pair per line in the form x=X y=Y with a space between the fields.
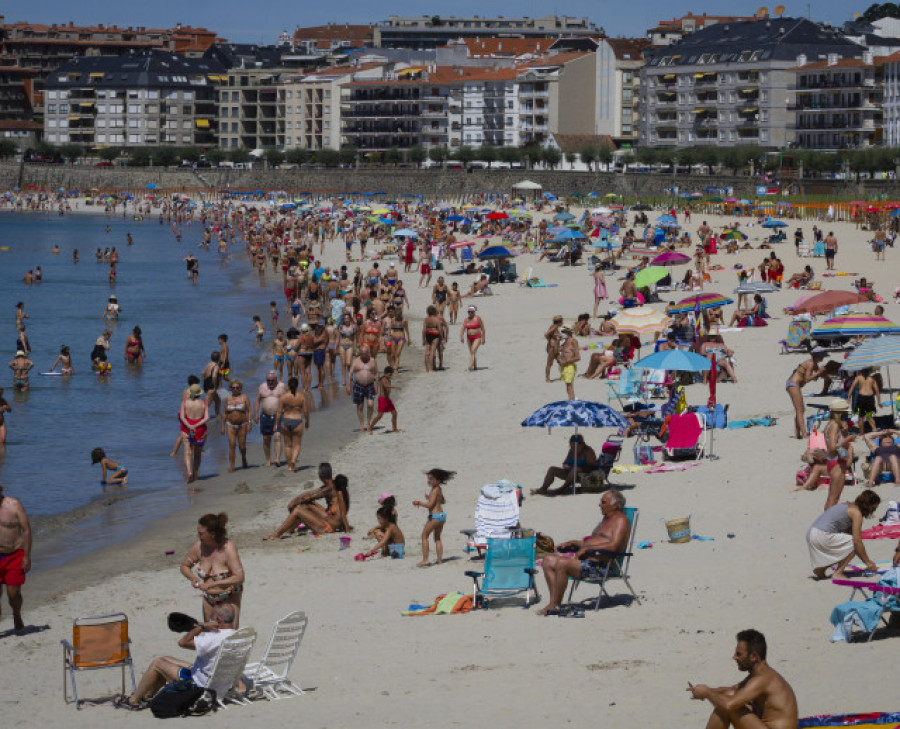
x=700 y=301
x=733 y=234
x=855 y=325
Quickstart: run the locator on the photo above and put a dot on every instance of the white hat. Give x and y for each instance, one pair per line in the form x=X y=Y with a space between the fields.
x=304 y=327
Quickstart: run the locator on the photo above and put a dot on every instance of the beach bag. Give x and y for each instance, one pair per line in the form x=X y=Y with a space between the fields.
x=181 y=698
x=643 y=454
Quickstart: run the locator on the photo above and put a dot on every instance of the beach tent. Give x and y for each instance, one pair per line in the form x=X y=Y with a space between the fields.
x=527 y=185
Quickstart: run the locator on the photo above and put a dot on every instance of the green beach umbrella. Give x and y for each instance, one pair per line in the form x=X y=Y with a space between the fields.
x=649 y=276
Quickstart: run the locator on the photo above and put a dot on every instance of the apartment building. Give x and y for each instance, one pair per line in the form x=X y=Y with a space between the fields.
x=433 y=31
x=619 y=62
x=147 y=98
x=667 y=32
x=557 y=94
x=16 y=83
x=311 y=104
x=890 y=104
x=249 y=108
x=332 y=39
x=431 y=106
x=731 y=83
x=838 y=103
x=45 y=48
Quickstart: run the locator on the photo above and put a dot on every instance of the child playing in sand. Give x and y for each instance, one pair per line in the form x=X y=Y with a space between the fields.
x=388 y=500
x=434 y=525
x=385 y=404
x=258 y=328
x=391 y=543
x=118 y=474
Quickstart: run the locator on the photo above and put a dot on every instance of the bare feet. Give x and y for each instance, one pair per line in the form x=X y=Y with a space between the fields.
x=18 y=623
x=272 y=538
x=423 y=563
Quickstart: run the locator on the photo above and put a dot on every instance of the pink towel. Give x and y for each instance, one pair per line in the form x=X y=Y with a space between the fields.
x=666 y=467
x=882 y=531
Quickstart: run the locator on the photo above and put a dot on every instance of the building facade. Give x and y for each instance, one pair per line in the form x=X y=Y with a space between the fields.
x=619 y=63
x=151 y=98
x=557 y=94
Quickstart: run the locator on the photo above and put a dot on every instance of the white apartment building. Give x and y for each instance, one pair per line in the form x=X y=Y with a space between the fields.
x=619 y=62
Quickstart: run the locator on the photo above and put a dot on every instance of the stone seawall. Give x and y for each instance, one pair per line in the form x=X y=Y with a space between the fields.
x=431 y=183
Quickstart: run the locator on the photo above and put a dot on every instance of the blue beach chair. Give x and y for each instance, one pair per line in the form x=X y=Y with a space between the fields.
x=508 y=570
x=616 y=568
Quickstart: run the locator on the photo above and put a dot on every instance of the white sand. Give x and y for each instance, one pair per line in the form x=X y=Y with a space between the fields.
x=366 y=666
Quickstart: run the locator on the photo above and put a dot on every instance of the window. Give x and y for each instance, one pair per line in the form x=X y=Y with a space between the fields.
x=51 y=122
x=152 y=94
x=134 y=108
x=101 y=108
x=134 y=138
x=51 y=108
x=63 y=108
x=224 y=111
x=132 y=94
x=101 y=137
x=101 y=123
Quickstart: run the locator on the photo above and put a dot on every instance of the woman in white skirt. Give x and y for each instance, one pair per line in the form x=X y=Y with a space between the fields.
x=834 y=538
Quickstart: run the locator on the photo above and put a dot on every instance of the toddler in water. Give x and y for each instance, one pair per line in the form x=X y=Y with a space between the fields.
x=434 y=525
x=391 y=543
x=118 y=474
x=258 y=328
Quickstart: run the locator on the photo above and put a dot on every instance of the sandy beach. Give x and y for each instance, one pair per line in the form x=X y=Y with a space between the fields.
x=364 y=665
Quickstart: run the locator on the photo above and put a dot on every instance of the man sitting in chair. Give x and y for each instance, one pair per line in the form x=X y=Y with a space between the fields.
x=205 y=639
x=611 y=534
x=580 y=456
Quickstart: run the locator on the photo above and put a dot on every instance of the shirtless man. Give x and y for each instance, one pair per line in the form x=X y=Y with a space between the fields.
x=265 y=406
x=568 y=357
x=20 y=364
x=15 y=553
x=629 y=292
x=611 y=534
x=763 y=699
x=831 y=248
x=363 y=373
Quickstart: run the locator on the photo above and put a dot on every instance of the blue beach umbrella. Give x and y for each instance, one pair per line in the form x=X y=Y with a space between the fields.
x=496 y=252
x=405 y=233
x=774 y=224
x=567 y=234
x=454 y=218
x=674 y=360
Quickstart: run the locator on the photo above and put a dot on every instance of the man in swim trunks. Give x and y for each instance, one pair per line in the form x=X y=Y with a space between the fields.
x=15 y=553
x=205 y=639
x=20 y=364
x=763 y=699
x=569 y=354
x=363 y=373
x=265 y=406
x=611 y=535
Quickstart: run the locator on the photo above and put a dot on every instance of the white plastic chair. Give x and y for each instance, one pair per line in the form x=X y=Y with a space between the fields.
x=229 y=666
x=270 y=674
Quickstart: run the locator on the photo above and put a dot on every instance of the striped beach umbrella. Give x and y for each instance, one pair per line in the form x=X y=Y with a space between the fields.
x=733 y=234
x=873 y=352
x=855 y=325
x=700 y=301
x=641 y=321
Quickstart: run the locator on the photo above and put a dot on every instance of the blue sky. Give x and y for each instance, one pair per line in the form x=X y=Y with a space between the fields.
x=261 y=22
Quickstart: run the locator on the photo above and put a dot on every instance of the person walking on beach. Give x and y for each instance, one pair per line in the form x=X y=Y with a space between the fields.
x=552 y=336
x=292 y=419
x=838 y=445
x=265 y=411
x=213 y=566
x=237 y=421
x=473 y=330
x=762 y=700
x=831 y=249
x=363 y=373
x=385 y=404
x=15 y=553
x=193 y=416
x=437 y=517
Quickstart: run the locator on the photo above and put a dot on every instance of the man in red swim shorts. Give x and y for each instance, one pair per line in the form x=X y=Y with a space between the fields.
x=15 y=553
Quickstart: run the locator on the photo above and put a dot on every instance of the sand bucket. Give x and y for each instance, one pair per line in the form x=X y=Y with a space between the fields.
x=679 y=530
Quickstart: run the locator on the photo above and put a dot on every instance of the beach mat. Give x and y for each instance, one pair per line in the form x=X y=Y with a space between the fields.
x=879 y=719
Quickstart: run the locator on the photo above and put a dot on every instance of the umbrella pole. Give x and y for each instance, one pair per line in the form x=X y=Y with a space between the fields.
x=575 y=471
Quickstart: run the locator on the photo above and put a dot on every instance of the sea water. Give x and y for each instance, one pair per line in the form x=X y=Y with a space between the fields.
x=131 y=414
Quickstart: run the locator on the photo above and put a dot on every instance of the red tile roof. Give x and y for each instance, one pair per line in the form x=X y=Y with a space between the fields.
x=335 y=32
x=633 y=48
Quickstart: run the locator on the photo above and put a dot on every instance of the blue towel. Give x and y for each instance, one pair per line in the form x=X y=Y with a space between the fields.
x=864 y=613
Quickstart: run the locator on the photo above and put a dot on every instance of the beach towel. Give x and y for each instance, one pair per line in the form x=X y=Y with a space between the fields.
x=447 y=604
x=882 y=531
x=627 y=468
x=496 y=511
x=752 y=422
x=879 y=719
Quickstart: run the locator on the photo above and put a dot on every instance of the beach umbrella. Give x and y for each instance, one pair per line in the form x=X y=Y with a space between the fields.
x=461 y=244
x=854 y=325
x=151 y=186
x=567 y=234
x=670 y=258
x=563 y=217
x=602 y=210
x=733 y=234
x=497 y=215
x=665 y=219
x=649 y=276
x=405 y=233
x=874 y=352
x=493 y=252
x=774 y=224
x=755 y=287
x=673 y=360
x=701 y=301
x=641 y=321
x=827 y=301
x=575 y=414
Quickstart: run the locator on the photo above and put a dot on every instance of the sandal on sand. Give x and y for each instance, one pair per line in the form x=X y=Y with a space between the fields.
x=121 y=702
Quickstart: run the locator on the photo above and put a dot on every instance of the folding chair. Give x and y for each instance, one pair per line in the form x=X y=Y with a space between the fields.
x=269 y=674
x=627 y=389
x=797 y=339
x=466 y=255
x=687 y=437
x=496 y=515
x=614 y=568
x=885 y=599
x=508 y=570
x=229 y=666
x=597 y=479
x=98 y=641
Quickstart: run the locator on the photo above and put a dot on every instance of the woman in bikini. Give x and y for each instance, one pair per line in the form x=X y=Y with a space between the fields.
x=552 y=337
x=320 y=519
x=439 y=295
x=348 y=335
x=431 y=336
x=134 y=347
x=434 y=524
x=805 y=372
x=599 y=288
x=193 y=416
x=213 y=566
x=306 y=343
x=372 y=333
x=398 y=297
x=474 y=332
x=64 y=359
x=399 y=336
x=292 y=418
x=839 y=447
x=237 y=422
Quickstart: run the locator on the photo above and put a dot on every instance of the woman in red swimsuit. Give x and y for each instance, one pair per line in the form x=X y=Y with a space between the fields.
x=474 y=333
x=193 y=417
